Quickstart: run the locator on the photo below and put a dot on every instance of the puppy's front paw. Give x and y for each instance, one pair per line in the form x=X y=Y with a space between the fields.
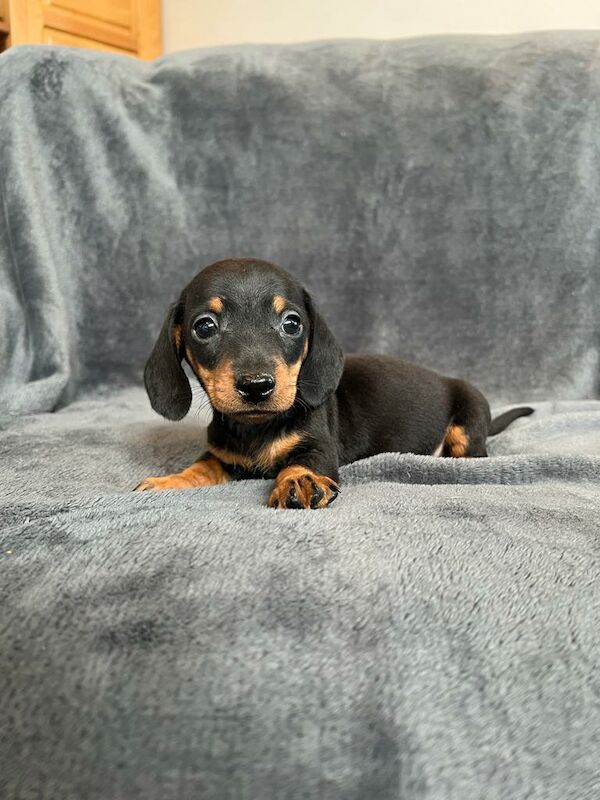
x=300 y=487
x=208 y=471
x=160 y=484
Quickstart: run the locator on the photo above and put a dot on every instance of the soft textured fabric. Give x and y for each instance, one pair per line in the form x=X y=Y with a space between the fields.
x=439 y=197
x=434 y=633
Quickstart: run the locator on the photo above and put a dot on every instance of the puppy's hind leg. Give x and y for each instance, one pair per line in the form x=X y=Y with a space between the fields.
x=467 y=433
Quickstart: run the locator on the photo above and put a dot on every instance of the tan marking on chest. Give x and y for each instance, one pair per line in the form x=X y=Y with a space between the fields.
x=265 y=459
x=231 y=458
x=274 y=452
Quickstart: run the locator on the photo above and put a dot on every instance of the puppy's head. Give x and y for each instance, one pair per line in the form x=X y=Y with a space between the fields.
x=252 y=337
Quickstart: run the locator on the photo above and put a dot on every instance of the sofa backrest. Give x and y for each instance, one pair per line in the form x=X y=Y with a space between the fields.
x=439 y=198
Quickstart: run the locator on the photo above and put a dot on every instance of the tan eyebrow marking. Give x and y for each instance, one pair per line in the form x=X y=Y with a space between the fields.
x=278 y=303
x=215 y=304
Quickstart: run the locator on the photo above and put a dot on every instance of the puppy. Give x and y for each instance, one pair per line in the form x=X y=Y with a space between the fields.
x=287 y=404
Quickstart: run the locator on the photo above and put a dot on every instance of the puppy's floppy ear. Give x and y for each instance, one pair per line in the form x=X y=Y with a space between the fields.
x=166 y=383
x=324 y=363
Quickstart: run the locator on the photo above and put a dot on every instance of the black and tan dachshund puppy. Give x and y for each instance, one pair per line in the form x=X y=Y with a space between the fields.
x=287 y=404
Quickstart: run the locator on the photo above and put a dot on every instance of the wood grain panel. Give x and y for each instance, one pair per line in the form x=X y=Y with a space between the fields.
x=26 y=21
x=117 y=12
x=149 y=34
x=129 y=26
x=50 y=36
x=89 y=27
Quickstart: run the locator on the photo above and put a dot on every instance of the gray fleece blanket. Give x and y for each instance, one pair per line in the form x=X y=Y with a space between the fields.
x=434 y=633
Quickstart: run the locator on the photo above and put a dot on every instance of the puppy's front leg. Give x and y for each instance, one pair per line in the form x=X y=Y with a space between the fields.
x=207 y=471
x=309 y=482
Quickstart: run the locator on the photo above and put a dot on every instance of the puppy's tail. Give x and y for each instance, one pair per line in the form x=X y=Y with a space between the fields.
x=498 y=424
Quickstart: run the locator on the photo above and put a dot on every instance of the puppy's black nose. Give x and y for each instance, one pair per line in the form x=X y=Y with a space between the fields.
x=255 y=388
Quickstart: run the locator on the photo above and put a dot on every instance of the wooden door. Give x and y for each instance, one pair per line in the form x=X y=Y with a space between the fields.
x=131 y=27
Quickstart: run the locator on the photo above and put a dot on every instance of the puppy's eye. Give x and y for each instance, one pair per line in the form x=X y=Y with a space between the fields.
x=291 y=324
x=205 y=327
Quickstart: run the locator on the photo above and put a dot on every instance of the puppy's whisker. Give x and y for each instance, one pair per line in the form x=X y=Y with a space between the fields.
x=310 y=383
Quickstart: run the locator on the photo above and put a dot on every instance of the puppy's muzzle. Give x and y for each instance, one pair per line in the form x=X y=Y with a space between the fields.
x=255 y=388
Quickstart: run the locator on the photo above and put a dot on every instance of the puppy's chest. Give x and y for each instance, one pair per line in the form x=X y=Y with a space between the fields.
x=262 y=458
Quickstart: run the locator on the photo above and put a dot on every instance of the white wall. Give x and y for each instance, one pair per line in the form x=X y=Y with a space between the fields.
x=197 y=23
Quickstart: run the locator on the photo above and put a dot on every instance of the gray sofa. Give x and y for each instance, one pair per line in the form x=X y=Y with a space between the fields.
x=435 y=632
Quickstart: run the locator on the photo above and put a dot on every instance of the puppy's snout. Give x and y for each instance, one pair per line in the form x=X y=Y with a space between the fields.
x=255 y=388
